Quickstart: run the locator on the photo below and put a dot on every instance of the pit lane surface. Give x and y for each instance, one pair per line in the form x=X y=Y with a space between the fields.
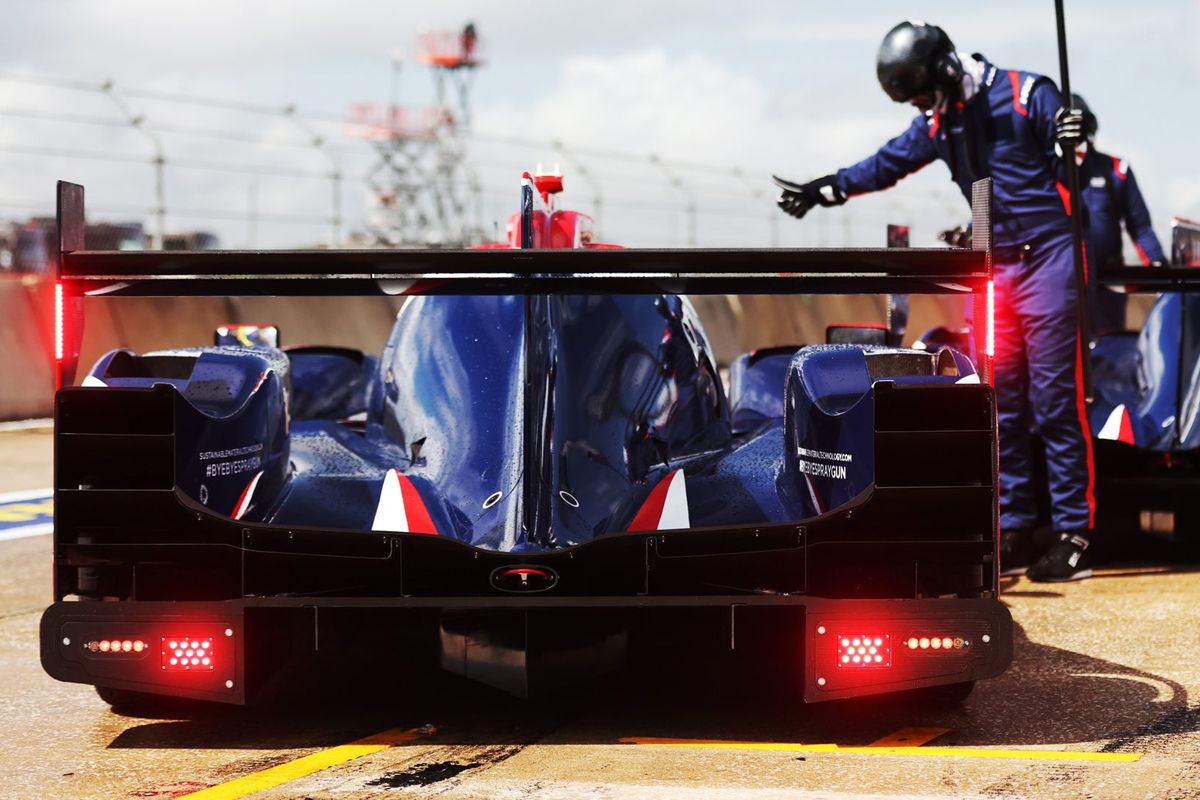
x=1100 y=702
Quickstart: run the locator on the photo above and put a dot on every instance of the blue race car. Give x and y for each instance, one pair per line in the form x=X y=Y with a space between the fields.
x=540 y=471
x=1147 y=394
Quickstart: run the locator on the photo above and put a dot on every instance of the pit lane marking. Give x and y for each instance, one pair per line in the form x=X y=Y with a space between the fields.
x=886 y=750
x=27 y=513
x=307 y=765
x=909 y=737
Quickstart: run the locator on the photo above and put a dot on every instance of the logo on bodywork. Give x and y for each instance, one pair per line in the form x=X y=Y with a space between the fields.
x=524 y=578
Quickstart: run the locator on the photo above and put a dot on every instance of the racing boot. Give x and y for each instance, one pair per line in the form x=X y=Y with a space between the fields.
x=1016 y=551
x=1066 y=560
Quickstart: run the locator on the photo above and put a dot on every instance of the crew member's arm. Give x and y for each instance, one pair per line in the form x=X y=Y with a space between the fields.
x=1137 y=218
x=901 y=156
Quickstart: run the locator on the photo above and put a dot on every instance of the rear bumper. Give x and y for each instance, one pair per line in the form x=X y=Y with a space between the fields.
x=240 y=632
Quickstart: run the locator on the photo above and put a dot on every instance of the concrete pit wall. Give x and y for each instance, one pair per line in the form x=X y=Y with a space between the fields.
x=26 y=349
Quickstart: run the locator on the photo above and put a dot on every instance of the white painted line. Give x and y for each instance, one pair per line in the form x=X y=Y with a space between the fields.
x=27 y=494
x=26 y=425
x=25 y=531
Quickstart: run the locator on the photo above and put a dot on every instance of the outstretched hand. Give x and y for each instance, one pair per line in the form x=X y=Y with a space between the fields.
x=797 y=199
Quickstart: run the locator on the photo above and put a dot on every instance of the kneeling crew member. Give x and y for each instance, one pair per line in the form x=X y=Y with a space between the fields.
x=984 y=121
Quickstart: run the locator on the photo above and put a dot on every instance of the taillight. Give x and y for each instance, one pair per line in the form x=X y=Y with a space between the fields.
x=937 y=642
x=115 y=646
x=862 y=650
x=59 y=347
x=989 y=347
x=187 y=653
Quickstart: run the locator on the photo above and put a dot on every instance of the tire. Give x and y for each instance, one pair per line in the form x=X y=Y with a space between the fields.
x=151 y=706
x=124 y=698
x=950 y=694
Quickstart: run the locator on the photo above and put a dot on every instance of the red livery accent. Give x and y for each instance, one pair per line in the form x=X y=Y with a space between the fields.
x=1015 y=79
x=666 y=508
x=419 y=520
x=1081 y=408
x=933 y=126
x=1065 y=194
x=651 y=511
x=243 y=501
x=1126 y=433
x=1120 y=167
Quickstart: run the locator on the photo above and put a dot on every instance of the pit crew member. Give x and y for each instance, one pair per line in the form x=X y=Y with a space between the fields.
x=1110 y=196
x=986 y=121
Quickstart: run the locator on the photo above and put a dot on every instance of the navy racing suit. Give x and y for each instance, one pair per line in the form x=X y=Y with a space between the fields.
x=1005 y=131
x=1110 y=197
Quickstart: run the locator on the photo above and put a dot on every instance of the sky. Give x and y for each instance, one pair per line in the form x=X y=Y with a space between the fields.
x=757 y=87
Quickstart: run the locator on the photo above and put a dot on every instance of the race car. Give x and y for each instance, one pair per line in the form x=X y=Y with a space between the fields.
x=1147 y=394
x=539 y=472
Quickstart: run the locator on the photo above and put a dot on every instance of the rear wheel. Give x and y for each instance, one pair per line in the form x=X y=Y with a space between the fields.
x=950 y=694
x=145 y=704
x=126 y=699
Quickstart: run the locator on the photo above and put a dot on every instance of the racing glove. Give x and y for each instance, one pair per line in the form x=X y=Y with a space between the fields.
x=797 y=199
x=1068 y=128
x=956 y=237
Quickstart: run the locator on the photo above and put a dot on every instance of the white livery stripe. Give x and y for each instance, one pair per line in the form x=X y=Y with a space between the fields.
x=675 y=507
x=390 y=514
x=1112 y=426
x=247 y=496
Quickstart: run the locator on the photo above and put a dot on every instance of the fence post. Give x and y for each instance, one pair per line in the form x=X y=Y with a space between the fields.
x=320 y=145
x=583 y=172
x=690 y=196
x=137 y=122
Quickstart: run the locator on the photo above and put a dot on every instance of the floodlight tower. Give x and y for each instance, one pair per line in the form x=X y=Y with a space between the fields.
x=423 y=192
x=453 y=59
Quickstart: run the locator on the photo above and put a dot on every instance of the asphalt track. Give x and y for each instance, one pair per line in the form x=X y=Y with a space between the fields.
x=1100 y=703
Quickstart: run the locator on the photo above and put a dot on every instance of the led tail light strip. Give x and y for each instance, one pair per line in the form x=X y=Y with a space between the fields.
x=115 y=646
x=943 y=643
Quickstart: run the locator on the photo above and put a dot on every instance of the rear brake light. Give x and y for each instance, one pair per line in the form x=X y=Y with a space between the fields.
x=864 y=650
x=187 y=653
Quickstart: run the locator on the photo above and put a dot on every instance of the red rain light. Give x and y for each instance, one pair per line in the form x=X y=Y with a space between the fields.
x=58 y=323
x=179 y=654
x=990 y=341
x=864 y=650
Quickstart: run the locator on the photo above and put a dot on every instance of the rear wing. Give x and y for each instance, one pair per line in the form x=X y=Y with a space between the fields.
x=83 y=273
x=1181 y=276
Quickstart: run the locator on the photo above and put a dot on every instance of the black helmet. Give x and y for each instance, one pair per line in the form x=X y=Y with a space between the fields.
x=1090 y=125
x=914 y=59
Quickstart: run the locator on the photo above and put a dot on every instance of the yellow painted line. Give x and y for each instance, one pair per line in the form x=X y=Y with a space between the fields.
x=300 y=767
x=909 y=737
x=944 y=752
